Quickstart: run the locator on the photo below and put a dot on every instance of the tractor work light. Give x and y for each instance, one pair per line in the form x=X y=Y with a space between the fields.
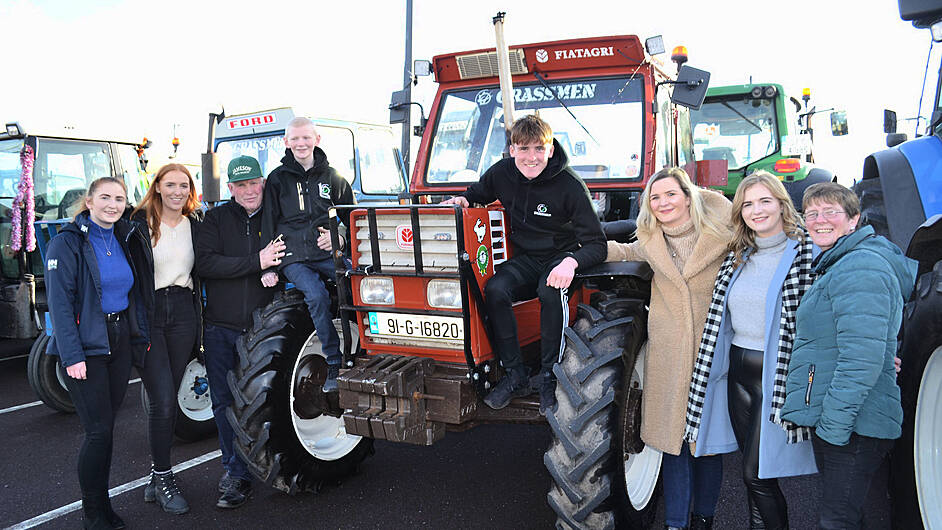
x=444 y=294
x=679 y=54
x=787 y=165
x=377 y=291
x=770 y=92
x=13 y=131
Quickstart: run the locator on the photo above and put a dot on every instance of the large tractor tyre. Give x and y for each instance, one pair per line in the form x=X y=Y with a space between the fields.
x=47 y=377
x=916 y=463
x=872 y=209
x=288 y=430
x=603 y=475
x=195 y=420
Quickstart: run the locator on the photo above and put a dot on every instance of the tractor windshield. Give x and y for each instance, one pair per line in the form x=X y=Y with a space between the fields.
x=737 y=129
x=604 y=141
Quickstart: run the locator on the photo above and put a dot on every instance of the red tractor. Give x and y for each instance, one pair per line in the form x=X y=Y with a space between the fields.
x=418 y=359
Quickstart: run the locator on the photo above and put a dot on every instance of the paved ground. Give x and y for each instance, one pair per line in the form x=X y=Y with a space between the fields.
x=489 y=477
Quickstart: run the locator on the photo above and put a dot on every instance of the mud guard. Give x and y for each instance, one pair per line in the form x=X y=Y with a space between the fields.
x=900 y=194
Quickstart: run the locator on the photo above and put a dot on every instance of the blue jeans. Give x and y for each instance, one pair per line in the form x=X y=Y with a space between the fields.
x=846 y=472
x=221 y=357
x=308 y=277
x=689 y=479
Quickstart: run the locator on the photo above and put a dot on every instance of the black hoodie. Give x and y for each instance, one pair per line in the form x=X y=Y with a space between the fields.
x=297 y=202
x=549 y=215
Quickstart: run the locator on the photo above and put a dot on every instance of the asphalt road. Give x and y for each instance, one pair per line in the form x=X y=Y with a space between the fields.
x=489 y=477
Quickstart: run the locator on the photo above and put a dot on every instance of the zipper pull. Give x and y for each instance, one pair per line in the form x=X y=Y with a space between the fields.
x=810 y=380
x=300 y=197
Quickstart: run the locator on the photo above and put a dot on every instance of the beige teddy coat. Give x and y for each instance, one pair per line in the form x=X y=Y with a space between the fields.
x=678 y=310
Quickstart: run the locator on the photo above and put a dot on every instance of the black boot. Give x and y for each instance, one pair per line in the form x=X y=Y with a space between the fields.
x=514 y=384
x=168 y=494
x=700 y=522
x=94 y=516
x=114 y=519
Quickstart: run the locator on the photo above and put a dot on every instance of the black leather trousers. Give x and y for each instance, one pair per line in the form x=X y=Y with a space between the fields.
x=766 y=503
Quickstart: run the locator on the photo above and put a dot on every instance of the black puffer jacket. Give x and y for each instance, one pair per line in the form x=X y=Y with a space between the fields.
x=297 y=202
x=550 y=214
x=227 y=260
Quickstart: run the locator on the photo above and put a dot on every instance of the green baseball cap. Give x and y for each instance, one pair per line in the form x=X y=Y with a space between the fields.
x=244 y=168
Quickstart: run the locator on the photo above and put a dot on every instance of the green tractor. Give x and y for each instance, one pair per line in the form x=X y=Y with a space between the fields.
x=753 y=127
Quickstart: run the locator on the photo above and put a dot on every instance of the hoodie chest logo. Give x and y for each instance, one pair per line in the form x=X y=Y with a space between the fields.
x=324 y=191
x=542 y=210
x=52 y=264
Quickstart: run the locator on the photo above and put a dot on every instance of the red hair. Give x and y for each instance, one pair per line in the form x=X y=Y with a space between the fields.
x=152 y=204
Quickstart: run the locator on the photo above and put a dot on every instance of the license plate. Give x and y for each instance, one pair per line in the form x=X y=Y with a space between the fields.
x=421 y=326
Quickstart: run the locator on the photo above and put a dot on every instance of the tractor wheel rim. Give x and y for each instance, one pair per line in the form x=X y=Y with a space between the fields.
x=928 y=438
x=323 y=437
x=642 y=469
x=193 y=394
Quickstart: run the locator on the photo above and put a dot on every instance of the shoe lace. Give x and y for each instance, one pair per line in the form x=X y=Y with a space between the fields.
x=168 y=485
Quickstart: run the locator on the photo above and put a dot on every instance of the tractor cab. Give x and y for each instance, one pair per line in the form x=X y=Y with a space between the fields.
x=363 y=153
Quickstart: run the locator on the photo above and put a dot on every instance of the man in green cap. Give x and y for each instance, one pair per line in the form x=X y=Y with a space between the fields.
x=231 y=260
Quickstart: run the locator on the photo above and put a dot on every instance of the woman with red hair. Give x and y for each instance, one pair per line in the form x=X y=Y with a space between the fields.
x=169 y=218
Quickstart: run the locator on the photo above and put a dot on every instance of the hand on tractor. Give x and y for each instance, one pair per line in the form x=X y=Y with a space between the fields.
x=76 y=371
x=561 y=275
x=323 y=240
x=271 y=255
x=270 y=279
x=459 y=200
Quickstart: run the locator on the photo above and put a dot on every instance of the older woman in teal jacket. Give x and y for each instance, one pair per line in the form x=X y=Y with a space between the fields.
x=842 y=380
x=738 y=382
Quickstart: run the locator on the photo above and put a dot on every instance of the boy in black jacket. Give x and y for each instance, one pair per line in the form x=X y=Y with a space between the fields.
x=553 y=230
x=299 y=194
x=230 y=259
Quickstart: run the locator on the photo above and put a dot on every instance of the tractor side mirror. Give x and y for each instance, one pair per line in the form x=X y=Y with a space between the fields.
x=889 y=121
x=691 y=87
x=839 y=123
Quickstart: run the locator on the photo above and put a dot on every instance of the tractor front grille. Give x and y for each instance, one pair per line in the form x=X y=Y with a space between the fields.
x=439 y=242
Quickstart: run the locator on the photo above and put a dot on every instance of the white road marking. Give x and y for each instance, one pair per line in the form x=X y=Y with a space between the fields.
x=35 y=403
x=14 y=357
x=113 y=492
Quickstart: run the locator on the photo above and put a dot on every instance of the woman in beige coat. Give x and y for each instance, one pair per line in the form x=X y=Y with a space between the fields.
x=682 y=234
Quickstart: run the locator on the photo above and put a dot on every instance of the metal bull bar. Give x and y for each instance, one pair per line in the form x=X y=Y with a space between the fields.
x=469 y=286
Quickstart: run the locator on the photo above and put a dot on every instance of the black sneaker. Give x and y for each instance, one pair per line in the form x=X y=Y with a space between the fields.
x=330 y=385
x=514 y=384
x=224 y=482
x=238 y=492
x=547 y=391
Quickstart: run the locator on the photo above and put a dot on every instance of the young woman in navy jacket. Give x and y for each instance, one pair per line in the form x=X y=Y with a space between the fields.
x=95 y=305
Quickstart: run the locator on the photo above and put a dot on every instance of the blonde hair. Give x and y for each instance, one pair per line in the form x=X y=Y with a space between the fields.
x=702 y=220
x=152 y=204
x=530 y=129
x=81 y=202
x=744 y=237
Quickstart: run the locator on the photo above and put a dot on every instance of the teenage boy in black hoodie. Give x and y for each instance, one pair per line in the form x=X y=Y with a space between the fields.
x=553 y=230
x=230 y=259
x=298 y=196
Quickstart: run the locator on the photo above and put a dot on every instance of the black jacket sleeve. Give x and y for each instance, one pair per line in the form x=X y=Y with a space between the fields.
x=271 y=207
x=588 y=229
x=210 y=260
x=482 y=191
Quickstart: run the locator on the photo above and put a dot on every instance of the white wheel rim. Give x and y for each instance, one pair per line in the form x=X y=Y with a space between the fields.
x=642 y=469
x=927 y=443
x=324 y=437
x=193 y=394
x=61 y=374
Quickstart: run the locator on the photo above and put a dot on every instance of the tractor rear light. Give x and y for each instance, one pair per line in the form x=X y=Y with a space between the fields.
x=444 y=294
x=377 y=291
x=787 y=165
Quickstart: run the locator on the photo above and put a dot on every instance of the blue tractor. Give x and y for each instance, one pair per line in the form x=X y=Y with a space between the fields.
x=901 y=197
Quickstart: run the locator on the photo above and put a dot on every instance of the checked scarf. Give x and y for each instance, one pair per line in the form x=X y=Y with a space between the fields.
x=797 y=281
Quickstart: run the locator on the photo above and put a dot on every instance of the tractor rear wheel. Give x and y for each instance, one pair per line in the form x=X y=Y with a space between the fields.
x=47 y=377
x=288 y=430
x=916 y=470
x=603 y=474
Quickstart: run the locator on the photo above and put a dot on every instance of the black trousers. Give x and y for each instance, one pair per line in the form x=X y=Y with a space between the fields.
x=173 y=335
x=767 y=507
x=846 y=473
x=521 y=278
x=97 y=400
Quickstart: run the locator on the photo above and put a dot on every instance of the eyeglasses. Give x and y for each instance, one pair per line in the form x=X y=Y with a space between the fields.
x=827 y=214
